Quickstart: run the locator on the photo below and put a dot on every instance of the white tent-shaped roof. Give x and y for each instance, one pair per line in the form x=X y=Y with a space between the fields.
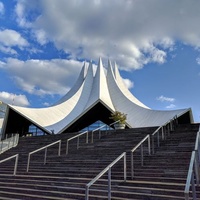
x=103 y=87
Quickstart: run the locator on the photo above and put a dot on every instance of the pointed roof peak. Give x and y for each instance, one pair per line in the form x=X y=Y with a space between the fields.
x=100 y=64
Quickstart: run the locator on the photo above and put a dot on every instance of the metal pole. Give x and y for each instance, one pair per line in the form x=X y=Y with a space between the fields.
x=158 y=138
x=125 y=167
x=13 y=139
x=67 y=147
x=109 y=183
x=16 y=163
x=193 y=188
x=152 y=144
x=45 y=156
x=132 y=173
x=149 y=145
x=87 y=138
x=142 y=161
x=92 y=137
x=28 y=163
x=87 y=193
x=196 y=168
x=78 y=143
x=59 y=148
x=163 y=137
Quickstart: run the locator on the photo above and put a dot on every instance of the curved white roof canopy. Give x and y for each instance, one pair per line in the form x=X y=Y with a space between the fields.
x=90 y=89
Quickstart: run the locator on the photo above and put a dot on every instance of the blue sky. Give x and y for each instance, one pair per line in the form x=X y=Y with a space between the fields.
x=155 y=43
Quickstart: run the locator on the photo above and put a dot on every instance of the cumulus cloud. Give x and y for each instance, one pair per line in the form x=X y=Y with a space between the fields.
x=133 y=33
x=165 y=99
x=198 y=60
x=171 y=106
x=129 y=84
x=43 y=77
x=1 y=8
x=14 y=99
x=11 y=38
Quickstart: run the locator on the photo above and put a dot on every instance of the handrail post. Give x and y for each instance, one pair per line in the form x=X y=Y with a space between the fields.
x=77 y=142
x=8 y=143
x=1 y=145
x=193 y=187
x=13 y=140
x=158 y=138
x=45 y=156
x=87 y=192
x=92 y=137
x=28 y=163
x=59 y=148
x=169 y=129
x=196 y=168
x=109 y=183
x=149 y=145
x=152 y=141
x=87 y=137
x=132 y=172
x=142 y=156
x=16 y=163
x=163 y=137
x=125 y=167
x=67 y=147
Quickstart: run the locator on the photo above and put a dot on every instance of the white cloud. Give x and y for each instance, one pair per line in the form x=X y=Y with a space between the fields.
x=133 y=33
x=129 y=84
x=10 y=37
x=198 y=60
x=14 y=99
x=43 y=77
x=2 y=10
x=163 y=98
x=7 y=50
x=171 y=106
x=46 y=104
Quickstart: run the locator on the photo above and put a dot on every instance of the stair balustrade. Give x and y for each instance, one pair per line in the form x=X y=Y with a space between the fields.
x=87 y=135
x=8 y=143
x=45 y=154
x=107 y=169
x=164 y=130
x=140 y=144
x=16 y=156
x=193 y=172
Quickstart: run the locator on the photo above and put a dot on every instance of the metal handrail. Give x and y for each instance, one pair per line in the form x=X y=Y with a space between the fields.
x=107 y=169
x=140 y=144
x=165 y=128
x=87 y=133
x=8 y=143
x=193 y=170
x=74 y=137
x=190 y=179
x=99 y=128
x=45 y=155
x=16 y=156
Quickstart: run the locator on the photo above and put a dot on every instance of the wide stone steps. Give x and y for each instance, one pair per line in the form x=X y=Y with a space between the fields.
x=162 y=177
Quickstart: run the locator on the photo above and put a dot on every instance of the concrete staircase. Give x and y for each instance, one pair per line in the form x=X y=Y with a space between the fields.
x=64 y=177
